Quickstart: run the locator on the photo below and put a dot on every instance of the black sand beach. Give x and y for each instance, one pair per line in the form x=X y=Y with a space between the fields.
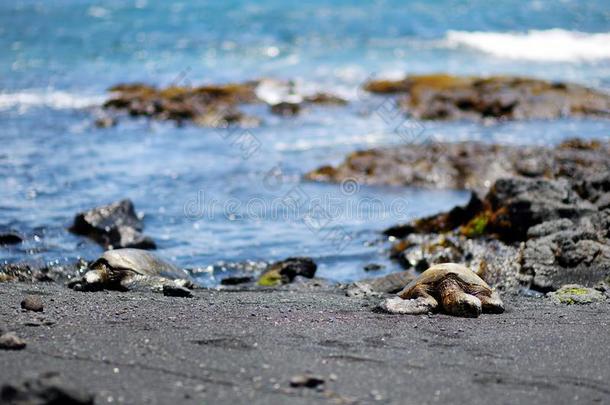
x=245 y=346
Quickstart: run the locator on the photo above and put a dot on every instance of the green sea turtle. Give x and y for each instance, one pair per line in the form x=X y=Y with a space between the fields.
x=457 y=289
x=126 y=269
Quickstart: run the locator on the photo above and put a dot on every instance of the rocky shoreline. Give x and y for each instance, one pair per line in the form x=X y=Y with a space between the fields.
x=538 y=217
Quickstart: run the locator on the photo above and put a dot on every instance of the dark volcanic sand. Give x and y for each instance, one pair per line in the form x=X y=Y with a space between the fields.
x=243 y=347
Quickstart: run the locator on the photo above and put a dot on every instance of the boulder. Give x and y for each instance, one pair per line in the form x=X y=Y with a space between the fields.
x=47 y=388
x=470 y=165
x=285 y=271
x=10 y=341
x=113 y=226
x=572 y=294
x=534 y=232
x=446 y=97
x=10 y=238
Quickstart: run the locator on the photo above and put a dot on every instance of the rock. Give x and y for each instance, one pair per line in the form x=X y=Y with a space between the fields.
x=306 y=381
x=183 y=103
x=325 y=99
x=512 y=206
x=445 y=97
x=176 y=291
x=10 y=341
x=576 y=294
x=471 y=165
x=566 y=251
x=286 y=108
x=113 y=226
x=236 y=280
x=546 y=235
x=32 y=303
x=285 y=271
x=517 y=204
x=10 y=239
x=45 y=389
x=225 y=117
x=212 y=105
x=373 y=267
x=105 y=122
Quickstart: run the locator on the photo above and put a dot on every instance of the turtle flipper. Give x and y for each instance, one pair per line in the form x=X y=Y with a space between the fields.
x=456 y=302
x=415 y=301
x=492 y=304
x=414 y=306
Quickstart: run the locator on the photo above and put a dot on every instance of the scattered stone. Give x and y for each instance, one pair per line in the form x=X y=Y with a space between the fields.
x=45 y=389
x=113 y=226
x=176 y=291
x=445 y=97
x=10 y=239
x=576 y=294
x=10 y=341
x=32 y=303
x=306 y=381
x=130 y=269
x=29 y=272
x=285 y=271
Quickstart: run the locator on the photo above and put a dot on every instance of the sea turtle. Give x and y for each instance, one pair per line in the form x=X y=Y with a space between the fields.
x=457 y=289
x=125 y=269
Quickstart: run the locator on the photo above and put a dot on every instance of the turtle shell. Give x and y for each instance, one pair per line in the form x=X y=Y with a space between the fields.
x=439 y=271
x=139 y=261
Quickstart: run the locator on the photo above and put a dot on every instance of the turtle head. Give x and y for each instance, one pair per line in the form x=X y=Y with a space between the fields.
x=97 y=278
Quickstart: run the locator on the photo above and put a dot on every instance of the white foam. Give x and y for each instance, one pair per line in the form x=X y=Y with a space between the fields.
x=554 y=45
x=328 y=142
x=275 y=91
x=26 y=99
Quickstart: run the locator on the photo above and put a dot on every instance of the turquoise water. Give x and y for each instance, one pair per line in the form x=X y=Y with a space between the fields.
x=202 y=201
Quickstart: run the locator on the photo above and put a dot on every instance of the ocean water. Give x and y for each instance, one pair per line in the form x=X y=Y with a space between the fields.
x=203 y=198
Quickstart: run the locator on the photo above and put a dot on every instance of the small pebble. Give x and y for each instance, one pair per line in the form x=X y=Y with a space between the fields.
x=10 y=341
x=176 y=291
x=306 y=381
x=32 y=303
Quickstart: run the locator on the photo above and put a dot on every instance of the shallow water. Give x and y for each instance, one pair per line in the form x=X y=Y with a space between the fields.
x=203 y=200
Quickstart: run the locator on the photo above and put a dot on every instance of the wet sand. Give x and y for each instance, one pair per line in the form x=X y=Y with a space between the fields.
x=244 y=347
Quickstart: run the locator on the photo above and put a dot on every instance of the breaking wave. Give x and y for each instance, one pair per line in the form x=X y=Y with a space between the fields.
x=554 y=45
